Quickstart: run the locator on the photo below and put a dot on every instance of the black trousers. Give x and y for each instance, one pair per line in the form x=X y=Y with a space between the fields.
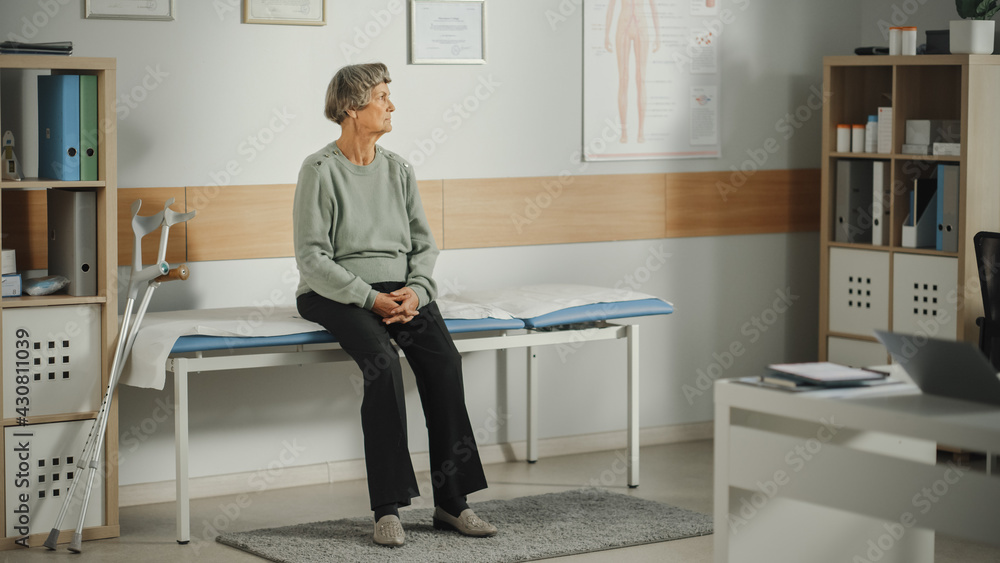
x=455 y=465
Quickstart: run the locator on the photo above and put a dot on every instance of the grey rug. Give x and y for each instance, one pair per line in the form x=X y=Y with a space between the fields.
x=535 y=527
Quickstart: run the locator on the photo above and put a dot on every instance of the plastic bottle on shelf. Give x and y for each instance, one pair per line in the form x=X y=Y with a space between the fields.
x=843 y=138
x=857 y=138
x=908 y=39
x=895 y=41
x=871 y=134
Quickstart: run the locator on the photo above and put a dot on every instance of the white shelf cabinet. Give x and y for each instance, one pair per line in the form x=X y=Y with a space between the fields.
x=56 y=350
x=912 y=290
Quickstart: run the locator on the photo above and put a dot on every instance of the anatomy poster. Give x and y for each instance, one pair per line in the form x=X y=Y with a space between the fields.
x=651 y=79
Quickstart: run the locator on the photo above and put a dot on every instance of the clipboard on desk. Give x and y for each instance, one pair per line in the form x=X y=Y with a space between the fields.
x=819 y=374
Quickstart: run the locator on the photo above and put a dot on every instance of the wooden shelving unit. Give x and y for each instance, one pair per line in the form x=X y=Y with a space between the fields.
x=43 y=429
x=891 y=292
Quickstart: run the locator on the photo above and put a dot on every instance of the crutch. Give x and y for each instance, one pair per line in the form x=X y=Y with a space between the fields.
x=148 y=279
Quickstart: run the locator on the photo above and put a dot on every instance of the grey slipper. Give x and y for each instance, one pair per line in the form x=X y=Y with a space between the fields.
x=388 y=531
x=467 y=523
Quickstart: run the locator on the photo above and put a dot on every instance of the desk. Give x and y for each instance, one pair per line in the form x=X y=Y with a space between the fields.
x=848 y=474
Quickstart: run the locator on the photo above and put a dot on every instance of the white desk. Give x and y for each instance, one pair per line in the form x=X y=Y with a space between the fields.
x=847 y=475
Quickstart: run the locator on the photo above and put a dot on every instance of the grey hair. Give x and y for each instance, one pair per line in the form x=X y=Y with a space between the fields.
x=351 y=88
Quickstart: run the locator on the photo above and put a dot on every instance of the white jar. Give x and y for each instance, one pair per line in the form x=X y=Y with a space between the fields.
x=895 y=40
x=909 y=40
x=857 y=138
x=843 y=138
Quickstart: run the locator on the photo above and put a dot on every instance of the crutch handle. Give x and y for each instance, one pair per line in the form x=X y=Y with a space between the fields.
x=179 y=273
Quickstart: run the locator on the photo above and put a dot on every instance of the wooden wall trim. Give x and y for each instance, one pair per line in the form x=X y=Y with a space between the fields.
x=25 y=224
x=494 y=212
x=432 y=196
x=733 y=203
x=232 y=222
x=240 y=222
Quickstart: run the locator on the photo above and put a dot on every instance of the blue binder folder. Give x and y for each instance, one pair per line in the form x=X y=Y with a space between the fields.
x=59 y=127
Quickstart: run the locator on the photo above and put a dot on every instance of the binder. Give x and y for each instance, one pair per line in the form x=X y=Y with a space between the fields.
x=59 y=127
x=880 y=203
x=88 y=127
x=72 y=216
x=853 y=222
x=920 y=226
x=947 y=207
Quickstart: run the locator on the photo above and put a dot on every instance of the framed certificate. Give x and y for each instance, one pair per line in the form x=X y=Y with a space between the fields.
x=289 y=12
x=447 y=31
x=129 y=9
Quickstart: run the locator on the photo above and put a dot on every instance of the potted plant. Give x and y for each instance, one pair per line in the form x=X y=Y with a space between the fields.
x=974 y=33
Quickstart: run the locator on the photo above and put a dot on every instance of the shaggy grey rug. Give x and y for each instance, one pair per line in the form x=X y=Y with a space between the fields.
x=535 y=527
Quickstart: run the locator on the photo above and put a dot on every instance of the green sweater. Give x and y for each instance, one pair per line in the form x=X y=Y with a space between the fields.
x=358 y=225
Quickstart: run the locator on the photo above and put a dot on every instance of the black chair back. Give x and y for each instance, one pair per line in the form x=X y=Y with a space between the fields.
x=988 y=261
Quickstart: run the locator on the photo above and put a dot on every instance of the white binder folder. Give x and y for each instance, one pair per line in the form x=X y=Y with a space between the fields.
x=880 y=203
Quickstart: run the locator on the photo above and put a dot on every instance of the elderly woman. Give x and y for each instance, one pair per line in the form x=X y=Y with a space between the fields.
x=365 y=256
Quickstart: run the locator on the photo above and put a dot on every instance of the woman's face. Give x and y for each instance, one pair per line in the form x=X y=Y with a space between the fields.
x=376 y=117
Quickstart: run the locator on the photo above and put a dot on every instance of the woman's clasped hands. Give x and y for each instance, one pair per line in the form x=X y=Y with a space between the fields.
x=400 y=306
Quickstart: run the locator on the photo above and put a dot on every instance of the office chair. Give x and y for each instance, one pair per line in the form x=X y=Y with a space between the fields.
x=988 y=262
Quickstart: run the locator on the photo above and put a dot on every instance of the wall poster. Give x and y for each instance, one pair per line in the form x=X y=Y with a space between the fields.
x=651 y=79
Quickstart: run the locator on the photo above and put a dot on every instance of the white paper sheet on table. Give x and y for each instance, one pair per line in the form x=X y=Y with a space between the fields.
x=159 y=332
x=145 y=366
x=530 y=301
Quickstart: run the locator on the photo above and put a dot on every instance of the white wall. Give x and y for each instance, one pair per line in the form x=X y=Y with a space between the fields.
x=191 y=93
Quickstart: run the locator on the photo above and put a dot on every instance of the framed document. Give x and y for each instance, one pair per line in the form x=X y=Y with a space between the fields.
x=129 y=9
x=447 y=31
x=289 y=12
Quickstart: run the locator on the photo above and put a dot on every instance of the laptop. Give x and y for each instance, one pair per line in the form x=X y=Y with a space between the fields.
x=946 y=368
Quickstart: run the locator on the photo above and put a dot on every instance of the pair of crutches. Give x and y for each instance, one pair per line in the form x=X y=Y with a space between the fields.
x=145 y=279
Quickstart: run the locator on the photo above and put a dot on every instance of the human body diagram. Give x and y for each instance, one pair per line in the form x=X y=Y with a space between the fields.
x=632 y=36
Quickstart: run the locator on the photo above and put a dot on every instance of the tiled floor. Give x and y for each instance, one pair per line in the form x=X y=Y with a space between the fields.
x=680 y=474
